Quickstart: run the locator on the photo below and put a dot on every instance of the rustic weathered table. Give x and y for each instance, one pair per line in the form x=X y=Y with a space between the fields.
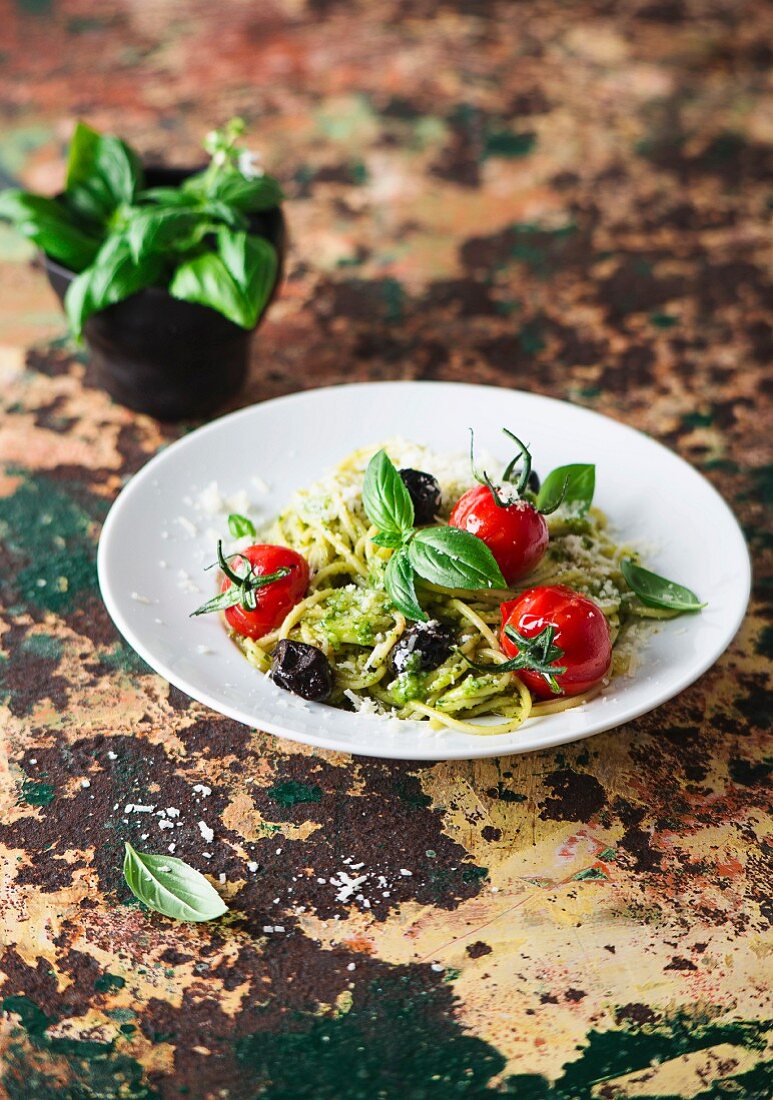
x=564 y=198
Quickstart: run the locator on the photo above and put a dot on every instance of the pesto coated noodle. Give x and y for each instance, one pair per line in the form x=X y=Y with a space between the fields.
x=350 y=617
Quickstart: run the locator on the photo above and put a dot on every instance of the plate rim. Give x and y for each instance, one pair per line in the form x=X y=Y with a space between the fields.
x=490 y=746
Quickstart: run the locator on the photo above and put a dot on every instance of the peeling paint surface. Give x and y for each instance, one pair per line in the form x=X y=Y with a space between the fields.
x=570 y=200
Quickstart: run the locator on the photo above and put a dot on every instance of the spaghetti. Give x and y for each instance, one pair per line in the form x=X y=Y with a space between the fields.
x=349 y=616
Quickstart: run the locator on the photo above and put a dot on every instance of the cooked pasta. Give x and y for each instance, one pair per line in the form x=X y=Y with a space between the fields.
x=349 y=616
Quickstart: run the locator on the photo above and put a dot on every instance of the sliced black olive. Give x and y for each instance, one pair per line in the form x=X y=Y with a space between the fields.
x=424 y=491
x=302 y=669
x=432 y=643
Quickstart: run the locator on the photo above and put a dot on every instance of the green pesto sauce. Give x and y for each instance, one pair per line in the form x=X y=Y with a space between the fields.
x=411 y=683
x=354 y=616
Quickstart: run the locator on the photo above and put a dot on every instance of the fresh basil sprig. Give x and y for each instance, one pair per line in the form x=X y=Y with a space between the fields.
x=243 y=588
x=445 y=556
x=656 y=591
x=120 y=238
x=536 y=654
x=573 y=484
x=386 y=500
x=239 y=526
x=171 y=887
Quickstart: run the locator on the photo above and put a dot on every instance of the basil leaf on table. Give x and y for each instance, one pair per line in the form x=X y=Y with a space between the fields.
x=102 y=173
x=240 y=525
x=386 y=500
x=49 y=225
x=113 y=276
x=573 y=484
x=171 y=887
x=452 y=558
x=656 y=591
x=237 y=280
x=400 y=586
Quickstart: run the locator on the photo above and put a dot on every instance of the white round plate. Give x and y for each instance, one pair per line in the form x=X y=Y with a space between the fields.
x=157 y=539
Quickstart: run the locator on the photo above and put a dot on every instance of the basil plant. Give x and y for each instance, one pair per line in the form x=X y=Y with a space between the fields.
x=119 y=236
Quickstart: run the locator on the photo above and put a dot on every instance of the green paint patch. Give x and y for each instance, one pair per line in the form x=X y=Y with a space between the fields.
x=663 y=320
x=608 y=854
x=50 y=538
x=43 y=645
x=32 y=1019
x=396 y=1041
x=410 y=792
x=393 y=296
x=290 y=792
x=122 y=658
x=52 y=1068
x=359 y=172
x=106 y=982
x=35 y=793
x=698 y=420
x=530 y=338
x=540 y=249
x=505 y=143
x=590 y=873
x=474 y=874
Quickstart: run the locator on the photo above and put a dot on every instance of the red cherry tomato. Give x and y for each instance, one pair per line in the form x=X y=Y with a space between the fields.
x=277 y=598
x=581 y=631
x=517 y=535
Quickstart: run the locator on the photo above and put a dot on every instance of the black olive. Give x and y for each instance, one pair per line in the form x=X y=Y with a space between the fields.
x=424 y=491
x=533 y=483
x=302 y=669
x=431 y=641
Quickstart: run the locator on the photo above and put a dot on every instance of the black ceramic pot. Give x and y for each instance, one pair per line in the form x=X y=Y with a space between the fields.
x=168 y=358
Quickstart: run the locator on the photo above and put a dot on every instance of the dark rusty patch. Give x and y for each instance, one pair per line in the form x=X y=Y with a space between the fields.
x=577 y=796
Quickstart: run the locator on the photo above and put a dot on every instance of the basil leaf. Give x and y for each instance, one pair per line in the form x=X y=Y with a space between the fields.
x=655 y=591
x=236 y=281
x=399 y=582
x=387 y=538
x=240 y=525
x=249 y=196
x=168 y=196
x=102 y=173
x=113 y=276
x=171 y=887
x=235 y=190
x=153 y=229
x=49 y=225
x=386 y=500
x=177 y=199
x=453 y=558
x=574 y=484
